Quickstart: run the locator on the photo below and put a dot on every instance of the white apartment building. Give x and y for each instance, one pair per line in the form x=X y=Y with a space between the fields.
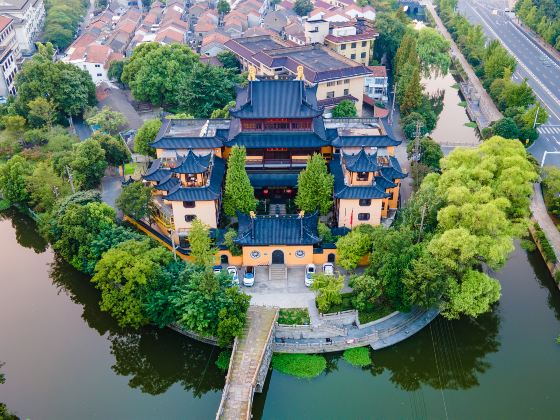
x=28 y=17
x=9 y=56
x=377 y=84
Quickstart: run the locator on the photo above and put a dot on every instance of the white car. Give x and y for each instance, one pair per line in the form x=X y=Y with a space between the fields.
x=232 y=271
x=309 y=271
x=249 y=277
x=328 y=269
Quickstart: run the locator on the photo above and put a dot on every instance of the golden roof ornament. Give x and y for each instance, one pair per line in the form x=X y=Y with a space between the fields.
x=300 y=75
x=252 y=74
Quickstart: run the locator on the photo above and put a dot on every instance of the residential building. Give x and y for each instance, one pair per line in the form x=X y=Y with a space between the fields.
x=281 y=124
x=9 y=56
x=94 y=58
x=377 y=84
x=337 y=77
x=28 y=17
x=354 y=41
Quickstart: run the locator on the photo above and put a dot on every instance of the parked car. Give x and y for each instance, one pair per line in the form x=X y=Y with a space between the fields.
x=217 y=269
x=249 y=277
x=309 y=271
x=328 y=269
x=232 y=271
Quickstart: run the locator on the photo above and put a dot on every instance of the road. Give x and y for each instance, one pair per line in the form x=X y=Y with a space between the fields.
x=534 y=63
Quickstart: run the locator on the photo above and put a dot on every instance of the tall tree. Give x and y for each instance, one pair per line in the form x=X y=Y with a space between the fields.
x=86 y=162
x=315 y=186
x=345 y=109
x=433 y=51
x=223 y=7
x=238 y=192
x=413 y=93
x=202 y=249
x=302 y=7
x=13 y=175
x=108 y=120
x=135 y=200
x=45 y=187
x=123 y=275
x=145 y=136
x=42 y=112
x=116 y=152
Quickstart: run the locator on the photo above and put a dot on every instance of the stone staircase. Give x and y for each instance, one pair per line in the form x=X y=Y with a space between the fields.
x=277 y=209
x=277 y=272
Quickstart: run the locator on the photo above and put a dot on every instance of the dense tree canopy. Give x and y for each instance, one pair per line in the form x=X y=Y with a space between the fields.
x=200 y=243
x=345 y=109
x=135 y=200
x=13 y=175
x=116 y=152
x=302 y=7
x=238 y=191
x=86 y=163
x=145 y=136
x=108 y=120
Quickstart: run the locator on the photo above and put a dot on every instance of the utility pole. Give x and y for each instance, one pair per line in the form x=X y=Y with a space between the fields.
x=422 y=223
x=536 y=115
x=70 y=178
x=393 y=104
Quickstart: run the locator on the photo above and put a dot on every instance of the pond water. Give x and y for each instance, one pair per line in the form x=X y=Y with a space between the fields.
x=450 y=129
x=65 y=359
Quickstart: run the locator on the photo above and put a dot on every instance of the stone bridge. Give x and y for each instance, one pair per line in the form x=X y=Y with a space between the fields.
x=248 y=364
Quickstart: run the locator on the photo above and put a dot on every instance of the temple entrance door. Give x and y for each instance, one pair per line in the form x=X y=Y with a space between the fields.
x=277 y=257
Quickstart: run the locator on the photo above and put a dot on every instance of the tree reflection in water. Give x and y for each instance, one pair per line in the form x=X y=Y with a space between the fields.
x=546 y=281
x=154 y=359
x=26 y=231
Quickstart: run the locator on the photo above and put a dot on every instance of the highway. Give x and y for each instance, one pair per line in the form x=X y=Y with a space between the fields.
x=541 y=69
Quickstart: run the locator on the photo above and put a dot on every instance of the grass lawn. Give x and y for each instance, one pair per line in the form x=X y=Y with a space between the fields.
x=223 y=360
x=463 y=104
x=129 y=168
x=299 y=365
x=378 y=312
x=471 y=124
x=293 y=316
x=358 y=356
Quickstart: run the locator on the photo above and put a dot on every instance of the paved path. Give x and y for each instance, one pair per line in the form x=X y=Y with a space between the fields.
x=248 y=353
x=542 y=217
x=486 y=104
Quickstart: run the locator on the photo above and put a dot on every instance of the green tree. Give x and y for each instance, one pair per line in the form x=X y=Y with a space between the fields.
x=45 y=187
x=69 y=88
x=42 y=112
x=229 y=60
x=496 y=62
x=115 y=70
x=232 y=316
x=430 y=152
x=406 y=54
x=302 y=7
x=433 y=51
x=206 y=89
x=506 y=128
x=14 y=125
x=412 y=97
x=315 y=186
x=223 y=7
x=328 y=288
x=135 y=200
x=551 y=188
x=13 y=176
x=518 y=95
x=391 y=32
x=202 y=249
x=352 y=247
x=229 y=238
x=224 y=112
x=238 y=191
x=123 y=275
x=79 y=225
x=530 y=116
x=86 y=162
x=345 y=109
x=109 y=121
x=367 y=290
x=155 y=73
x=145 y=136
x=116 y=152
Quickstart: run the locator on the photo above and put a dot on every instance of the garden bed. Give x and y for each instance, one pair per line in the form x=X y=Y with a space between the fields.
x=293 y=316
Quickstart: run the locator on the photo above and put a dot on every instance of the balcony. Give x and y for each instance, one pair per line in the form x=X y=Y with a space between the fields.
x=259 y=163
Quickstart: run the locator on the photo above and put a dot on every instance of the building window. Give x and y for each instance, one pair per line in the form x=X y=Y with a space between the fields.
x=339 y=82
x=330 y=84
x=363 y=216
x=353 y=45
x=99 y=75
x=363 y=55
x=346 y=91
x=346 y=81
x=300 y=253
x=362 y=176
x=189 y=204
x=255 y=254
x=189 y=217
x=343 y=47
x=330 y=94
x=353 y=56
x=364 y=43
x=97 y=66
x=365 y=202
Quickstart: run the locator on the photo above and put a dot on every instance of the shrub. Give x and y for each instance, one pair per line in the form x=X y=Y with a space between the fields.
x=223 y=360
x=293 y=316
x=557 y=277
x=548 y=251
x=528 y=245
x=329 y=288
x=299 y=365
x=325 y=233
x=358 y=356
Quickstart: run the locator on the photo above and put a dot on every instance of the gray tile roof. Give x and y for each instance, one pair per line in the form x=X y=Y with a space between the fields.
x=265 y=139
x=278 y=230
x=361 y=162
x=213 y=191
x=193 y=164
x=188 y=143
x=366 y=141
x=273 y=179
x=341 y=190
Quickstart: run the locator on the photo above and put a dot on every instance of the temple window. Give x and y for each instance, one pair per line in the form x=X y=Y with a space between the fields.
x=362 y=176
x=189 y=217
x=189 y=204
x=363 y=216
x=365 y=202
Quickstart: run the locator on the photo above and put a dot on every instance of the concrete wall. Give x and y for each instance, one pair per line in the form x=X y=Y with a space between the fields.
x=354 y=85
x=345 y=208
x=298 y=332
x=290 y=258
x=206 y=211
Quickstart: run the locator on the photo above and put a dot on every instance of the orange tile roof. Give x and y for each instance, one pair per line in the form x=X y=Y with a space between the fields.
x=215 y=37
x=4 y=22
